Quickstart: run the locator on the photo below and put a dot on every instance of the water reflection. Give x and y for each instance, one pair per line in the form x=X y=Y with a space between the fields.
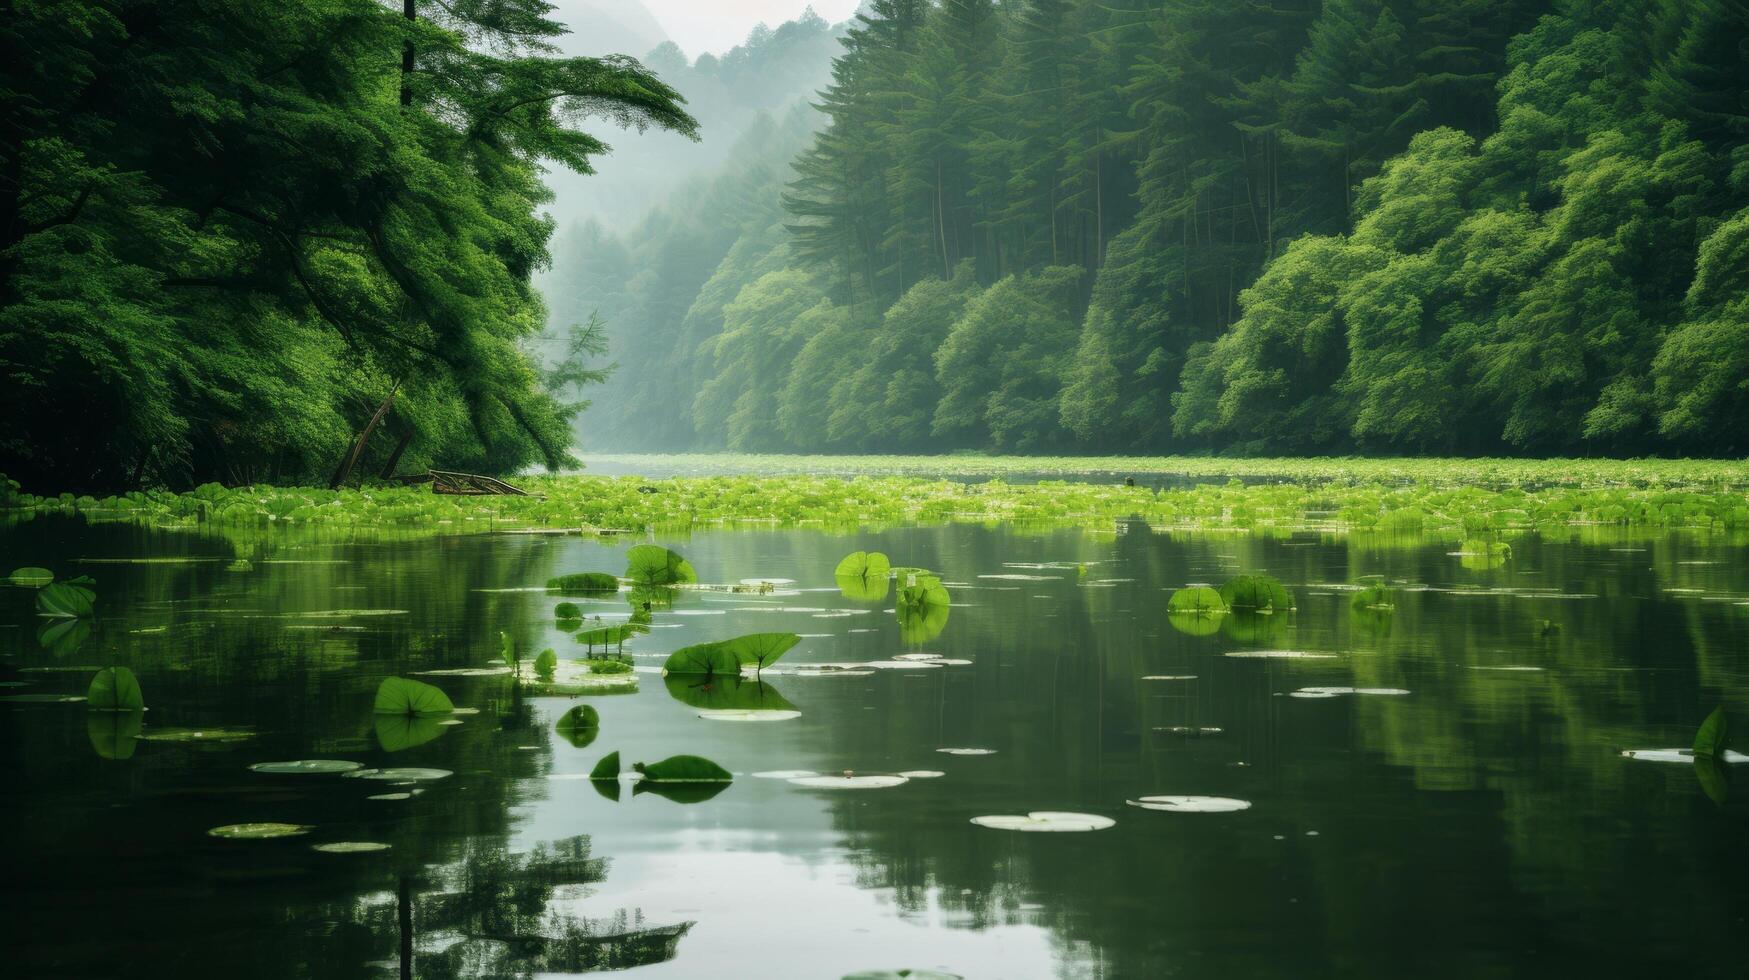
x=1484 y=821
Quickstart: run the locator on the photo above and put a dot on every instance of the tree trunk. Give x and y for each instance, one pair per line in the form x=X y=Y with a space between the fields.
x=409 y=11
x=346 y=465
x=395 y=457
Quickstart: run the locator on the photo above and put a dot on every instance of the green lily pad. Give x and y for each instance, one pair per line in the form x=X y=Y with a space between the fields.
x=218 y=735
x=351 y=847
x=1046 y=821
x=403 y=774
x=607 y=769
x=1190 y=804
x=260 y=831
x=307 y=767
x=580 y=725
x=114 y=734
x=1256 y=593
x=402 y=696
x=1196 y=599
x=683 y=769
x=31 y=577
x=75 y=598
x=648 y=564
x=115 y=689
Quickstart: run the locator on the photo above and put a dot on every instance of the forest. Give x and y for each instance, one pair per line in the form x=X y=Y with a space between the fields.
x=239 y=238
x=316 y=242
x=1350 y=226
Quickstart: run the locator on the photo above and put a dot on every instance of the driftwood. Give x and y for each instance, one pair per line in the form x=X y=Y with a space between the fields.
x=469 y=484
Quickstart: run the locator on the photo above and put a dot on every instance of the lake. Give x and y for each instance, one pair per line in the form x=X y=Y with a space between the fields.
x=1436 y=786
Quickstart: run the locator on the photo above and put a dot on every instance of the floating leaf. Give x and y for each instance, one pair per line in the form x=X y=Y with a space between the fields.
x=922 y=608
x=583 y=584
x=863 y=564
x=1256 y=593
x=760 y=650
x=1047 y=821
x=397 y=733
x=114 y=734
x=62 y=637
x=1711 y=738
x=404 y=774
x=1713 y=779
x=967 y=751
x=307 y=767
x=785 y=774
x=1197 y=600
x=726 y=693
x=1680 y=755
x=902 y=975
x=1195 y=623
x=705 y=659
x=197 y=735
x=115 y=689
x=402 y=696
x=1191 y=804
x=680 y=792
x=73 y=598
x=351 y=847
x=607 y=768
x=259 y=831
x=649 y=564
x=580 y=725
x=748 y=714
x=850 y=781
x=42 y=698
x=684 y=769
x=31 y=577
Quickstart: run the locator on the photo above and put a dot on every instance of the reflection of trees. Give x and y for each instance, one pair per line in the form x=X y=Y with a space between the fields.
x=490 y=914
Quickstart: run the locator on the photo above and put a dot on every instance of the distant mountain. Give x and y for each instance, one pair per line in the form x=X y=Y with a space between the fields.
x=601 y=27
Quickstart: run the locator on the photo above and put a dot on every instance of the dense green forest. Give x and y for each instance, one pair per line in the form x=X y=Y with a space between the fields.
x=1388 y=226
x=239 y=236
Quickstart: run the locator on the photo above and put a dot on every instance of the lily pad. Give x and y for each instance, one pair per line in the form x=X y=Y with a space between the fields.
x=397 y=733
x=260 y=831
x=748 y=714
x=580 y=726
x=351 y=847
x=115 y=689
x=648 y=564
x=583 y=584
x=902 y=975
x=850 y=781
x=1680 y=755
x=198 y=735
x=31 y=577
x=683 y=769
x=760 y=650
x=307 y=767
x=1256 y=593
x=43 y=698
x=1196 y=600
x=702 y=659
x=923 y=774
x=784 y=774
x=607 y=769
x=114 y=734
x=1046 y=821
x=402 y=696
x=1278 y=655
x=967 y=751
x=401 y=774
x=1191 y=804
x=73 y=599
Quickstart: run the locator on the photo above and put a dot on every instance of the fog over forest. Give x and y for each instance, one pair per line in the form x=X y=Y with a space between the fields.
x=1060 y=225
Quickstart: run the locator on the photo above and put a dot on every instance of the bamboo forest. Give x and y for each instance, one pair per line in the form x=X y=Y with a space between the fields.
x=947 y=489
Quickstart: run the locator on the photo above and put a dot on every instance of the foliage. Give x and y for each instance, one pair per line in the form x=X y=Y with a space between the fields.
x=115 y=689
x=648 y=564
x=71 y=599
x=1399 y=226
x=582 y=584
x=232 y=232
x=1196 y=600
x=579 y=726
x=404 y=696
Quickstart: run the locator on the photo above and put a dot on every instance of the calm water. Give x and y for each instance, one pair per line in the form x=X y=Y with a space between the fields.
x=1484 y=824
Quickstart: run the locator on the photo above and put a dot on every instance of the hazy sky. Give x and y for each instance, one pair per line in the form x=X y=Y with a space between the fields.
x=718 y=25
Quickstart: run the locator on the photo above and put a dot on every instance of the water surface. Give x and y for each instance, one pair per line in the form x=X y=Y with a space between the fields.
x=1483 y=824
